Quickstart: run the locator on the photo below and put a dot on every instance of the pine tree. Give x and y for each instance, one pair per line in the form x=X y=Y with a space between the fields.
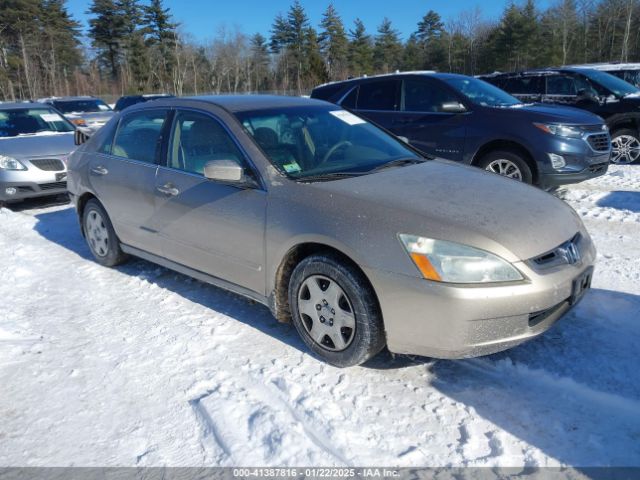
x=430 y=36
x=387 y=49
x=107 y=32
x=161 y=37
x=333 y=43
x=360 y=50
x=259 y=62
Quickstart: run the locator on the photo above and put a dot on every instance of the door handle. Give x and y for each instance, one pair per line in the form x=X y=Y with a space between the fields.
x=168 y=189
x=99 y=170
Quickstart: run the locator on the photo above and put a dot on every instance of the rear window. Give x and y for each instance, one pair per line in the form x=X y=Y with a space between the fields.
x=81 y=106
x=524 y=85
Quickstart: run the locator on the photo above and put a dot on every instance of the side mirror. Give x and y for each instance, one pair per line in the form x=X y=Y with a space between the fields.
x=224 y=171
x=80 y=137
x=452 y=107
x=404 y=139
x=584 y=94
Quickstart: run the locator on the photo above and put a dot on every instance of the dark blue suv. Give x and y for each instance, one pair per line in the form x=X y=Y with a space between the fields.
x=468 y=120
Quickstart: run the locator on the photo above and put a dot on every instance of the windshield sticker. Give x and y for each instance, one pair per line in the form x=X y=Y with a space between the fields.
x=104 y=108
x=51 y=117
x=347 y=117
x=292 y=167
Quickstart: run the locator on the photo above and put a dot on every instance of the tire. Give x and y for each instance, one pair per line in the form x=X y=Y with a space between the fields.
x=100 y=235
x=356 y=306
x=507 y=161
x=625 y=145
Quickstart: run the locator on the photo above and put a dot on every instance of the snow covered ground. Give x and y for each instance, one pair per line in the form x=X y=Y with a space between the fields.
x=142 y=366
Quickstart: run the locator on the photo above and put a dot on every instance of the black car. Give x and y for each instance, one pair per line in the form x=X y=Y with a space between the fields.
x=468 y=120
x=608 y=96
x=128 y=100
x=629 y=72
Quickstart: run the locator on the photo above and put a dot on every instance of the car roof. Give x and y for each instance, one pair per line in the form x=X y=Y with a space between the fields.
x=608 y=67
x=233 y=103
x=23 y=105
x=68 y=99
x=430 y=73
x=538 y=71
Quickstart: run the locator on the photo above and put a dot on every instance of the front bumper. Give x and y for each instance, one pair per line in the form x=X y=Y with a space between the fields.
x=31 y=183
x=593 y=170
x=446 y=321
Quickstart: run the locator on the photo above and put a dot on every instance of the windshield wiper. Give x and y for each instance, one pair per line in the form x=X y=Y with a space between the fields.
x=325 y=177
x=398 y=163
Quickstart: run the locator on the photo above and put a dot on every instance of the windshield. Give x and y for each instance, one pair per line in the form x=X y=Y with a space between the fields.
x=24 y=121
x=317 y=140
x=613 y=84
x=481 y=92
x=81 y=106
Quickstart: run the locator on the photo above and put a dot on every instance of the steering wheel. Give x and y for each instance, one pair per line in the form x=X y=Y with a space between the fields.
x=334 y=149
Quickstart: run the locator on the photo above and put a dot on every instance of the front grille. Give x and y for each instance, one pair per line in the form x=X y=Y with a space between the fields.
x=53 y=186
x=570 y=252
x=23 y=189
x=49 y=164
x=600 y=142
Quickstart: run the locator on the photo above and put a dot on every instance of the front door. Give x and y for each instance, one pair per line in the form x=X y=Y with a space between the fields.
x=422 y=121
x=123 y=175
x=208 y=226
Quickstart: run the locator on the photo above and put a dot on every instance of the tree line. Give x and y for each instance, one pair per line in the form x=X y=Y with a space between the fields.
x=135 y=46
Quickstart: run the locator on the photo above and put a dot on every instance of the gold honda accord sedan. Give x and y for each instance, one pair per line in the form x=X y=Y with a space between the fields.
x=334 y=224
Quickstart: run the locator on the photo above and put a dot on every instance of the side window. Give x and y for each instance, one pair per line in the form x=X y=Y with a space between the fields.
x=106 y=143
x=424 y=96
x=138 y=136
x=378 y=95
x=561 y=85
x=198 y=139
x=350 y=100
x=529 y=85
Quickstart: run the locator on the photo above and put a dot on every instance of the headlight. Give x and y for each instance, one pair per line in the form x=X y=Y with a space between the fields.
x=8 y=163
x=570 y=131
x=451 y=262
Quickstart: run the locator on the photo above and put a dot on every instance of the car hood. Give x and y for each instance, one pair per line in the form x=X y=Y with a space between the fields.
x=448 y=201
x=54 y=144
x=538 y=112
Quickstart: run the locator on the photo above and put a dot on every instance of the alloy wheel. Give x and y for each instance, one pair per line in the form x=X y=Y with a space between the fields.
x=326 y=313
x=97 y=233
x=506 y=168
x=625 y=149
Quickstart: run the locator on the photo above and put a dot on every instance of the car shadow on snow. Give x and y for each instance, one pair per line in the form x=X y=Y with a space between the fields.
x=573 y=392
x=621 y=200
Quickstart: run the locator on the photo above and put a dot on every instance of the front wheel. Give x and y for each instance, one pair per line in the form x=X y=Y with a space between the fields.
x=335 y=311
x=508 y=164
x=625 y=146
x=101 y=236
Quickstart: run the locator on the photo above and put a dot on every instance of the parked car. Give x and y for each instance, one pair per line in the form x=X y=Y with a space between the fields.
x=629 y=72
x=128 y=100
x=35 y=141
x=613 y=99
x=333 y=223
x=87 y=113
x=470 y=121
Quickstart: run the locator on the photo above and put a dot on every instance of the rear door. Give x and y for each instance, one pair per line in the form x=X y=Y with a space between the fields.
x=212 y=227
x=377 y=100
x=123 y=175
x=422 y=120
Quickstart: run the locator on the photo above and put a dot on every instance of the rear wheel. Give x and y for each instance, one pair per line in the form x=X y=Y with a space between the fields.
x=625 y=146
x=335 y=311
x=101 y=236
x=507 y=163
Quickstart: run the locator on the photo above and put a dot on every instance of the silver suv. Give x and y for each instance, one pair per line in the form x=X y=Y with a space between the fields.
x=333 y=223
x=87 y=113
